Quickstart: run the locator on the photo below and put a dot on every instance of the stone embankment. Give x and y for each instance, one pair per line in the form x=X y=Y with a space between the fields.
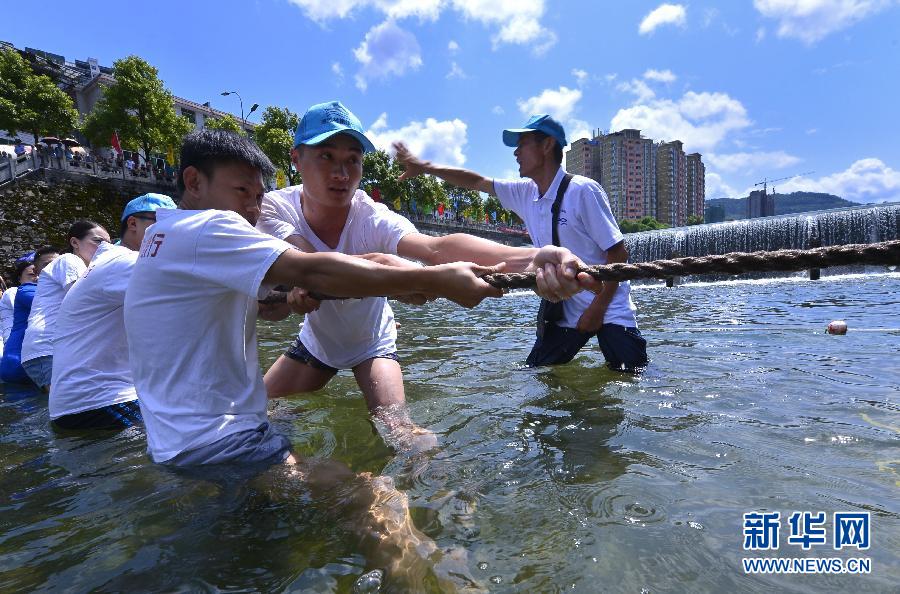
x=38 y=209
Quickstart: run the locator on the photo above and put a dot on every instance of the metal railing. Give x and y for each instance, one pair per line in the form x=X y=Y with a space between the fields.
x=16 y=166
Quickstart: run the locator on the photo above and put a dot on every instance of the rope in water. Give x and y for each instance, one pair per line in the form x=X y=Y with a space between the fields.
x=886 y=253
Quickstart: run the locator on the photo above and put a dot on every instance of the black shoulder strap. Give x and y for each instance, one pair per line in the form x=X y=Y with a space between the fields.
x=563 y=186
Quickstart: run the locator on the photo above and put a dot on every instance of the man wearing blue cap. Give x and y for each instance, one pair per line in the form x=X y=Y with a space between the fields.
x=329 y=213
x=571 y=211
x=92 y=383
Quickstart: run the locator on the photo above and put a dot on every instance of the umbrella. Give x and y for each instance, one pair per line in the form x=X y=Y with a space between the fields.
x=48 y=140
x=70 y=142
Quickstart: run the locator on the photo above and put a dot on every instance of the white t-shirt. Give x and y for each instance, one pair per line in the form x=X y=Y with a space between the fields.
x=90 y=360
x=7 y=301
x=190 y=321
x=586 y=227
x=343 y=334
x=53 y=284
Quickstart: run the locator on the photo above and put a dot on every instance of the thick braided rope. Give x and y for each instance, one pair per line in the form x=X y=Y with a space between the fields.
x=886 y=253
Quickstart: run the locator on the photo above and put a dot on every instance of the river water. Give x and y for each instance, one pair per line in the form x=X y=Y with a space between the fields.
x=574 y=478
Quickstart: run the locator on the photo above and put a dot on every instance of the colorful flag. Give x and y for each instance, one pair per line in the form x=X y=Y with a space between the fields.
x=280 y=179
x=397 y=203
x=114 y=142
x=376 y=194
x=441 y=209
x=170 y=156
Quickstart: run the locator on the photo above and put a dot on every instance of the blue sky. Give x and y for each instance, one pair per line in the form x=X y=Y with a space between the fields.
x=762 y=88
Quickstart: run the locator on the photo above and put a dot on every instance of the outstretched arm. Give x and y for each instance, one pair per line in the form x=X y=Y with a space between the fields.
x=463 y=178
x=557 y=267
x=347 y=276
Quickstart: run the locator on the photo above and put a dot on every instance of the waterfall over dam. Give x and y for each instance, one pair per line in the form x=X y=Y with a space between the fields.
x=864 y=224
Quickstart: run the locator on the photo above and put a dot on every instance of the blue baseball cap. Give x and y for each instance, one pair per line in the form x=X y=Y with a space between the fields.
x=147 y=203
x=538 y=123
x=324 y=120
x=23 y=262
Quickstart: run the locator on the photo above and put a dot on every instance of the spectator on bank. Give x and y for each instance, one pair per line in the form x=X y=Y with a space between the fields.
x=11 y=370
x=53 y=283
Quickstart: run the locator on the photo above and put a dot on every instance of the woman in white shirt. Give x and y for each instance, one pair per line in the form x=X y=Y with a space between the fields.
x=53 y=283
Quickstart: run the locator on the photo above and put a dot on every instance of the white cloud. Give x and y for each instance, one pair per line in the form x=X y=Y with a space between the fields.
x=866 y=180
x=498 y=110
x=517 y=21
x=748 y=162
x=387 y=50
x=700 y=120
x=611 y=77
x=452 y=47
x=558 y=103
x=812 y=20
x=709 y=16
x=641 y=91
x=760 y=34
x=716 y=186
x=665 y=76
x=664 y=14
x=812 y=131
x=433 y=140
x=561 y=104
x=455 y=71
x=323 y=10
x=580 y=75
x=338 y=71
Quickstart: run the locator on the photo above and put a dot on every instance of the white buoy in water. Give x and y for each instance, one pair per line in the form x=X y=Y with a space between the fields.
x=837 y=327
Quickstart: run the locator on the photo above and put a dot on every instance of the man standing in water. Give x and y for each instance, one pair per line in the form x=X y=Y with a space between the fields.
x=329 y=213
x=571 y=211
x=190 y=317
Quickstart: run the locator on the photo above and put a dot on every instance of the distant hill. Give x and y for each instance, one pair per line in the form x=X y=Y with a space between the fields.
x=736 y=208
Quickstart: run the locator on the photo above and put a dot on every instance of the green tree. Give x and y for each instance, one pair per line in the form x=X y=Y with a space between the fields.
x=492 y=205
x=227 y=122
x=32 y=102
x=644 y=224
x=275 y=136
x=695 y=220
x=139 y=108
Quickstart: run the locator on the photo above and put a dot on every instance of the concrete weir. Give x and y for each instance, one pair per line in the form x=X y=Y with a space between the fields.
x=863 y=224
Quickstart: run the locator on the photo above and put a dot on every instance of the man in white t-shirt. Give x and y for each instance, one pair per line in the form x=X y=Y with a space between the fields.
x=191 y=305
x=584 y=223
x=92 y=384
x=329 y=213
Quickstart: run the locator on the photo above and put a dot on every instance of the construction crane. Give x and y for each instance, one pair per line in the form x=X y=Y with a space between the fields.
x=766 y=181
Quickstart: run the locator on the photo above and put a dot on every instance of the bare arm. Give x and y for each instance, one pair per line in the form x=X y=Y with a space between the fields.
x=592 y=318
x=347 y=276
x=462 y=247
x=463 y=178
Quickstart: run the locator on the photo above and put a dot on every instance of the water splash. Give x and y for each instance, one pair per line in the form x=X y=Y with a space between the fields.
x=369 y=583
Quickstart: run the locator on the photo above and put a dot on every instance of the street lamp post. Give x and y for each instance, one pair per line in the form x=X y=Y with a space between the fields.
x=241 y=99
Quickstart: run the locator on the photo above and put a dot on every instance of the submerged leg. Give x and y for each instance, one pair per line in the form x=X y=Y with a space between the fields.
x=372 y=509
x=381 y=382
